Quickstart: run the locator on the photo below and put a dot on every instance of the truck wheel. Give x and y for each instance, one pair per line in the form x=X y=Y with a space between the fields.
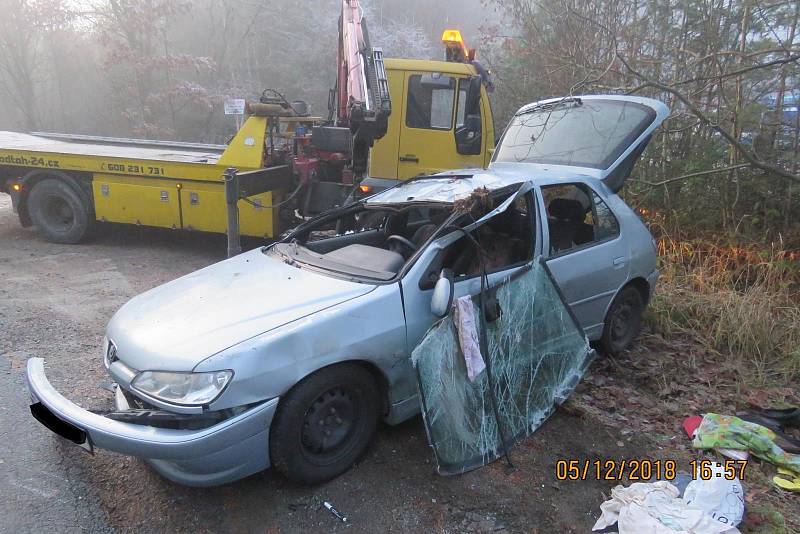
x=324 y=424
x=622 y=322
x=58 y=212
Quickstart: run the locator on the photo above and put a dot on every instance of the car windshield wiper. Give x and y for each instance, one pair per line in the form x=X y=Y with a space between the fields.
x=550 y=105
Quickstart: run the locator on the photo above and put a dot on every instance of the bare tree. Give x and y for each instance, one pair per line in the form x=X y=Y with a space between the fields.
x=725 y=68
x=24 y=25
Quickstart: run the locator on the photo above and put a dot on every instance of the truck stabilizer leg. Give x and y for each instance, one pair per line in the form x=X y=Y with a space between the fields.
x=232 y=199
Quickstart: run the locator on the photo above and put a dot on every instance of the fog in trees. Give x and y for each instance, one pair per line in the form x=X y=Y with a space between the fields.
x=728 y=158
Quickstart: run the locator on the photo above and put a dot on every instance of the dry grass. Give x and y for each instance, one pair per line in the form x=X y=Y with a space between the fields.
x=741 y=303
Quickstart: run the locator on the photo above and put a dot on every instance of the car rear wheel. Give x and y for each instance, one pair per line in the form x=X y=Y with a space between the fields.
x=324 y=424
x=58 y=212
x=623 y=321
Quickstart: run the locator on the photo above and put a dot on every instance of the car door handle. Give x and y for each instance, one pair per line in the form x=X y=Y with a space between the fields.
x=619 y=262
x=409 y=158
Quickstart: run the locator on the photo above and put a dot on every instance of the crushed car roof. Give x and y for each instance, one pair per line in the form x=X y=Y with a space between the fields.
x=440 y=188
x=447 y=187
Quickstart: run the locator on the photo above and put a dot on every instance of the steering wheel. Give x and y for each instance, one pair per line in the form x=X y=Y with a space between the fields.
x=403 y=241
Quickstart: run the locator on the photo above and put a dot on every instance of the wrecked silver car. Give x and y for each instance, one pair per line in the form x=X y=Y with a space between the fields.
x=290 y=354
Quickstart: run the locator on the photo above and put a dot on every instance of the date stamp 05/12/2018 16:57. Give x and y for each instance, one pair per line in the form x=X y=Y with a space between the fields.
x=645 y=470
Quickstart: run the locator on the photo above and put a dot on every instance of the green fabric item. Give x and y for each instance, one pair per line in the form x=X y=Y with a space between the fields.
x=729 y=432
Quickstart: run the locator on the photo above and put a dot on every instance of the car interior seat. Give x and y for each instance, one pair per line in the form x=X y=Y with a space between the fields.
x=423 y=233
x=565 y=218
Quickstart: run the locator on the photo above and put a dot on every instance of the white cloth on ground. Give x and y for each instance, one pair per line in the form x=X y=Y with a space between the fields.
x=655 y=507
x=720 y=497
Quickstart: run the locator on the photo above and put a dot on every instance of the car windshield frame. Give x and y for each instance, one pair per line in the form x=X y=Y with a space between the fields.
x=528 y=119
x=306 y=258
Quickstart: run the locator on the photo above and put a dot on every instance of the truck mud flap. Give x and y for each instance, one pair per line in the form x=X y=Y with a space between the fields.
x=537 y=354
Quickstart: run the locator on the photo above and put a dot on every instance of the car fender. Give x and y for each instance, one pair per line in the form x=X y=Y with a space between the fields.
x=641 y=252
x=370 y=328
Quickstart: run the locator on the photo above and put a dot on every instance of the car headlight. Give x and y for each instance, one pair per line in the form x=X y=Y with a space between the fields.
x=182 y=388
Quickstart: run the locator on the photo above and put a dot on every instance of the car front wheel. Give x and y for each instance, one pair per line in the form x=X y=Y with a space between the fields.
x=623 y=321
x=324 y=424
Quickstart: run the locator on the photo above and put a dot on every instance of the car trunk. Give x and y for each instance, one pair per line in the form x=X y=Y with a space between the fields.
x=598 y=135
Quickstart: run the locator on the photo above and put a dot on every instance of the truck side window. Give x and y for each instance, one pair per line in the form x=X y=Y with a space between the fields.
x=577 y=217
x=468 y=127
x=430 y=101
x=461 y=105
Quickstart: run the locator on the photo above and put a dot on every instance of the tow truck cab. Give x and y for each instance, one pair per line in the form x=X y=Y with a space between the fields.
x=441 y=119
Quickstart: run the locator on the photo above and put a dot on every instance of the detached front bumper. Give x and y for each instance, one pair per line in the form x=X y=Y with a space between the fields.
x=227 y=451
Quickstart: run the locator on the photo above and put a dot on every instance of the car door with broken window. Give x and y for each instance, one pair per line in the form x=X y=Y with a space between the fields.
x=586 y=252
x=510 y=243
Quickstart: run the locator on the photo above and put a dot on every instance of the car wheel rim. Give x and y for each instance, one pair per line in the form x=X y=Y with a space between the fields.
x=621 y=322
x=330 y=422
x=59 y=213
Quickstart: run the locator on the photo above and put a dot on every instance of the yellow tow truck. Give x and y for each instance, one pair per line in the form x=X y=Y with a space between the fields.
x=62 y=183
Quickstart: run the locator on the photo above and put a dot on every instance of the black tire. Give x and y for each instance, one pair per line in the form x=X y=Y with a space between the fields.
x=623 y=321
x=58 y=212
x=340 y=405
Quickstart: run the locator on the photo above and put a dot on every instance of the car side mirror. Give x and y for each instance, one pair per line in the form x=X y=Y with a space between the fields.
x=443 y=292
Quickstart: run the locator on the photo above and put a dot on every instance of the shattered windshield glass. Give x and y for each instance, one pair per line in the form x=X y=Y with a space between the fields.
x=581 y=133
x=537 y=355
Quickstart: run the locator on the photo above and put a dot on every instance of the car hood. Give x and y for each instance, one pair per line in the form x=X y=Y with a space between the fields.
x=177 y=325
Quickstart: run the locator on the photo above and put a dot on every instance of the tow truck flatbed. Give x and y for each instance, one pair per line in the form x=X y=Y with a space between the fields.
x=138 y=157
x=111 y=147
x=144 y=182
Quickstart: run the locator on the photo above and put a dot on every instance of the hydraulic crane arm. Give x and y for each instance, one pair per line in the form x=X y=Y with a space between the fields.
x=362 y=90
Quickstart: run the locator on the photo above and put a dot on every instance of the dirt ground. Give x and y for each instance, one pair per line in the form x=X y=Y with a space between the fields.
x=55 y=301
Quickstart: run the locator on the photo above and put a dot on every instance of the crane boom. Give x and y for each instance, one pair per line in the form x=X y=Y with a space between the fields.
x=362 y=90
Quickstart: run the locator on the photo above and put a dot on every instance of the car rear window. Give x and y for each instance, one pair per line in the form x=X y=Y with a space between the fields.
x=588 y=133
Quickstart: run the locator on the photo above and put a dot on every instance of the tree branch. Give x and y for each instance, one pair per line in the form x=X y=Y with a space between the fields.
x=746 y=154
x=692 y=175
x=781 y=61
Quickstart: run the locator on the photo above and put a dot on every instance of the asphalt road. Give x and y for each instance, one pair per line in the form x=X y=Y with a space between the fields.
x=55 y=301
x=42 y=489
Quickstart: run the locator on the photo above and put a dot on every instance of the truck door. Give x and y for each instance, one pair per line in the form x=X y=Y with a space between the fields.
x=433 y=110
x=383 y=158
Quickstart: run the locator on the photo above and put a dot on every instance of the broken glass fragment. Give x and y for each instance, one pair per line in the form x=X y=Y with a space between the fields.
x=537 y=353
